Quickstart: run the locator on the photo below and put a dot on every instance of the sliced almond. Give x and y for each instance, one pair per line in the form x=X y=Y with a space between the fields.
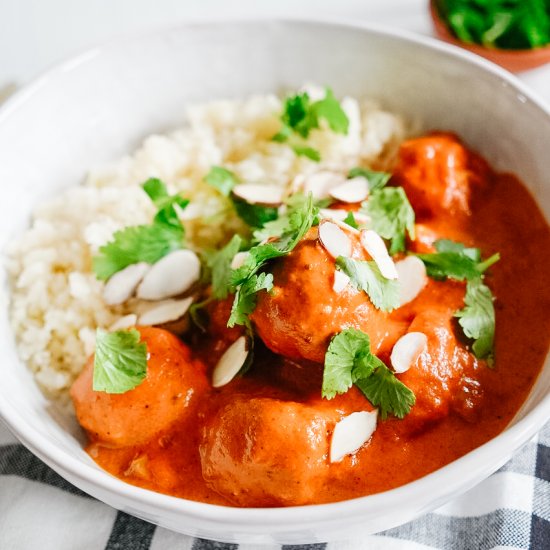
x=346 y=227
x=230 y=362
x=239 y=259
x=124 y=322
x=319 y=184
x=412 y=278
x=335 y=214
x=351 y=433
x=353 y=190
x=375 y=246
x=253 y=193
x=165 y=312
x=170 y=276
x=341 y=281
x=335 y=241
x=407 y=350
x=122 y=285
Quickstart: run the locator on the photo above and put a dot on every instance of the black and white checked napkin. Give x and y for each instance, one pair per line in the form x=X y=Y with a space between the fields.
x=40 y=510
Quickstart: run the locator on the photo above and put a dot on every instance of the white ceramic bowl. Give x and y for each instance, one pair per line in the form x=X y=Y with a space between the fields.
x=98 y=106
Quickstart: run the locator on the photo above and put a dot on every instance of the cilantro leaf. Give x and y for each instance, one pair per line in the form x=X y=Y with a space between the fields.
x=254 y=215
x=388 y=393
x=140 y=243
x=350 y=220
x=246 y=298
x=120 y=362
x=305 y=151
x=221 y=179
x=245 y=278
x=300 y=115
x=166 y=214
x=220 y=264
x=349 y=360
x=376 y=180
x=391 y=216
x=454 y=260
x=477 y=319
x=366 y=276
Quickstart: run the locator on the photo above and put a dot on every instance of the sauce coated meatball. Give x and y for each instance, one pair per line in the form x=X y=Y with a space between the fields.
x=168 y=394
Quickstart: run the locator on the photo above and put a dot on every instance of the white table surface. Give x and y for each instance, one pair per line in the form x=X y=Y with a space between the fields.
x=34 y=34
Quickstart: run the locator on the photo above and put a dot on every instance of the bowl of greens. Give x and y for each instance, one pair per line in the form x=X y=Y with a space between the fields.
x=512 y=33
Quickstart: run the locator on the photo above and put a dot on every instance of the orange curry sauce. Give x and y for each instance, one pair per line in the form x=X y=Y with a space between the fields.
x=263 y=439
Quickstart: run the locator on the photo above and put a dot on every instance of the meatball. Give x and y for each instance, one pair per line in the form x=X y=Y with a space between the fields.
x=262 y=451
x=168 y=395
x=439 y=371
x=439 y=175
x=302 y=313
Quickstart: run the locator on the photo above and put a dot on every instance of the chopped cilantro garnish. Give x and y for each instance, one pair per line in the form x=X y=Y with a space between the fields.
x=222 y=179
x=254 y=215
x=246 y=298
x=301 y=115
x=349 y=360
x=477 y=319
x=391 y=215
x=454 y=260
x=351 y=221
x=246 y=279
x=120 y=362
x=366 y=276
x=220 y=264
x=144 y=243
x=376 y=180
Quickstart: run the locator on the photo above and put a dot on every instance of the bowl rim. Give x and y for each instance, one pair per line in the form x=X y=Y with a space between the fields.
x=255 y=520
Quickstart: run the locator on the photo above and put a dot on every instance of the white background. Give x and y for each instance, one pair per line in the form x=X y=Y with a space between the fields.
x=34 y=34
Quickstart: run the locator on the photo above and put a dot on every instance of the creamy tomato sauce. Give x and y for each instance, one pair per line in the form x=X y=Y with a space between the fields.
x=263 y=439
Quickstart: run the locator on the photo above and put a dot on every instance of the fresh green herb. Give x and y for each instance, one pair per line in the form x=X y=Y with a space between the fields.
x=505 y=24
x=300 y=116
x=376 y=180
x=477 y=319
x=246 y=279
x=166 y=203
x=391 y=215
x=350 y=220
x=254 y=215
x=221 y=179
x=456 y=261
x=349 y=360
x=246 y=298
x=139 y=243
x=366 y=276
x=219 y=263
x=120 y=362
x=144 y=243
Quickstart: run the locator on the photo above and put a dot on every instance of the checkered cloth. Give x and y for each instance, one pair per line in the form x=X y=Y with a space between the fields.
x=40 y=510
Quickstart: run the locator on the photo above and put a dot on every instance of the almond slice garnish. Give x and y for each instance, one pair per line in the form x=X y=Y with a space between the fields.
x=122 y=285
x=407 y=350
x=170 y=276
x=375 y=246
x=230 y=362
x=165 y=312
x=341 y=281
x=353 y=190
x=239 y=259
x=125 y=322
x=335 y=241
x=351 y=433
x=412 y=278
x=320 y=183
x=335 y=214
x=253 y=193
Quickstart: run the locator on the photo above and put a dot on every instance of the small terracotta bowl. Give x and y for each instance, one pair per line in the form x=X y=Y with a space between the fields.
x=513 y=60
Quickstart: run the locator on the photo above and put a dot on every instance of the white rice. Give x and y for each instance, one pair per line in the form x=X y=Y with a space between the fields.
x=56 y=300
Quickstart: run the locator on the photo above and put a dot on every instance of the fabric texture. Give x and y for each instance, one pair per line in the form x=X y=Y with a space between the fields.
x=39 y=509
